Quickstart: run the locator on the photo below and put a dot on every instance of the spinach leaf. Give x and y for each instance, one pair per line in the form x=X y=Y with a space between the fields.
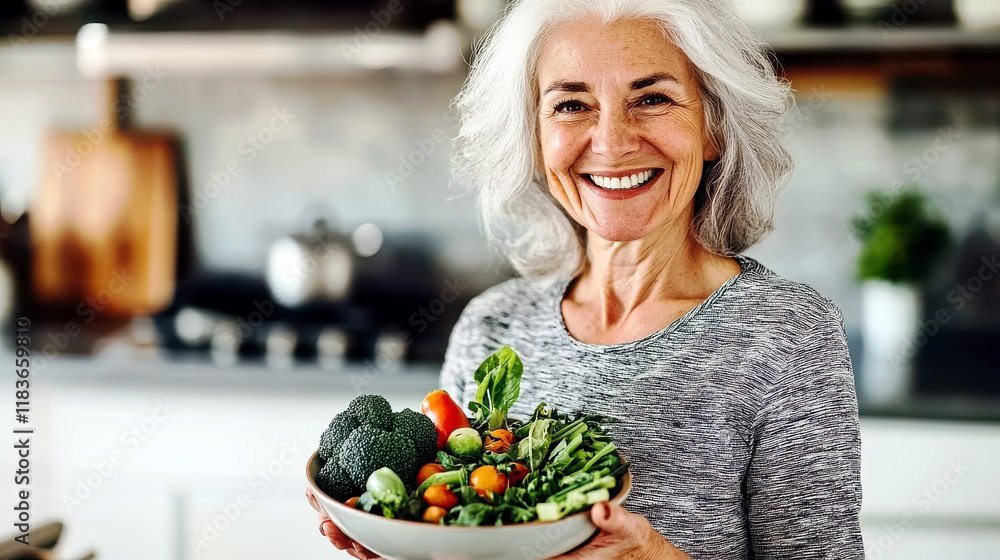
x=499 y=379
x=515 y=514
x=498 y=459
x=473 y=514
x=535 y=446
x=467 y=495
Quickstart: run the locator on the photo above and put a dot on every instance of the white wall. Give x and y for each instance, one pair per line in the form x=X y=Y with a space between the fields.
x=349 y=132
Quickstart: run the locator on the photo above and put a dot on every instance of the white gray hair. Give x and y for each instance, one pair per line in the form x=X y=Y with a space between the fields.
x=498 y=154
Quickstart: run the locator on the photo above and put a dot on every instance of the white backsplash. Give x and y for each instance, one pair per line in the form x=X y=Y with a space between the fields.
x=345 y=135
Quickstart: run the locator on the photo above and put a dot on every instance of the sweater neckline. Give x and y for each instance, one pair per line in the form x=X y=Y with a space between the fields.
x=558 y=293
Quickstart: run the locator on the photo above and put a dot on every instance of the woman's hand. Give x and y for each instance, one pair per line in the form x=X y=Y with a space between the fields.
x=624 y=535
x=336 y=536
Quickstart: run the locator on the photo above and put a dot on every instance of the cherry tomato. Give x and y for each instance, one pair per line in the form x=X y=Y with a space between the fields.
x=351 y=501
x=446 y=415
x=434 y=514
x=488 y=479
x=439 y=495
x=517 y=474
x=427 y=470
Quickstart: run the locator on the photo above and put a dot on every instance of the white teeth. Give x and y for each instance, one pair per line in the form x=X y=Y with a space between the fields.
x=622 y=183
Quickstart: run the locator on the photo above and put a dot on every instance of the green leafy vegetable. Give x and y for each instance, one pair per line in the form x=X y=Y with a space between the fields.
x=534 y=447
x=499 y=379
x=563 y=463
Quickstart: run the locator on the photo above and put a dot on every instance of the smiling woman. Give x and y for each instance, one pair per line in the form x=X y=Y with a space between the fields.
x=710 y=72
x=625 y=153
x=624 y=147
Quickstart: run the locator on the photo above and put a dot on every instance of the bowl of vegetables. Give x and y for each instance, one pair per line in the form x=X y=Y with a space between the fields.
x=440 y=485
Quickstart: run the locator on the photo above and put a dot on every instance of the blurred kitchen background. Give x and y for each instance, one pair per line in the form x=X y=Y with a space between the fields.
x=227 y=218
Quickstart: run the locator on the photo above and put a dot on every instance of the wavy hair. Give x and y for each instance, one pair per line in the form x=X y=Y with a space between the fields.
x=498 y=148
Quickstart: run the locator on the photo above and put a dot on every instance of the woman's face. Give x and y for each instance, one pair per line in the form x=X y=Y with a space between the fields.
x=621 y=125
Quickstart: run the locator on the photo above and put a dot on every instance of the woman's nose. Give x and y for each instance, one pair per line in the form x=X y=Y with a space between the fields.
x=614 y=137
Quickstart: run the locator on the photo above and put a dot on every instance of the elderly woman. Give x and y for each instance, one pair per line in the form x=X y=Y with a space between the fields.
x=626 y=153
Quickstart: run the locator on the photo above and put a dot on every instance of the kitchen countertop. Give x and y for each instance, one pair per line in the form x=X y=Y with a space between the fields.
x=155 y=367
x=226 y=424
x=134 y=367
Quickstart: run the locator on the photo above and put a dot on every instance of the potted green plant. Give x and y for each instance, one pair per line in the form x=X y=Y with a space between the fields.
x=903 y=239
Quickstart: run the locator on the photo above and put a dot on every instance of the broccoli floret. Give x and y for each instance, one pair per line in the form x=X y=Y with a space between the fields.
x=372 y=410
x=420 y=429
x=331 y=440
x=335 y=481
x=402 y=457
x=369 y=436
x=369 y=448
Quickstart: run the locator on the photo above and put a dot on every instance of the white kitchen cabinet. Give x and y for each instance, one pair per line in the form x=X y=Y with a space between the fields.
x=931 y=489
x=228 y=433
x=166 y=457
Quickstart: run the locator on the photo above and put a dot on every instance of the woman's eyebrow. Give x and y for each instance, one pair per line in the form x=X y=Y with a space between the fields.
x=652 y=79
x=582 y=87
x=574 y=87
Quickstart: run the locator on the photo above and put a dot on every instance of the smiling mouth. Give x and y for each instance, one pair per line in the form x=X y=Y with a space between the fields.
x=634 y=181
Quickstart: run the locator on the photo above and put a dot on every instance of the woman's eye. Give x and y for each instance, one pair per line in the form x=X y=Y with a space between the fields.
x=654 y=100
x=569 y=107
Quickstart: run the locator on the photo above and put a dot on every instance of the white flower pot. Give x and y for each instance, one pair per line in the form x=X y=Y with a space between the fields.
x=890 y=320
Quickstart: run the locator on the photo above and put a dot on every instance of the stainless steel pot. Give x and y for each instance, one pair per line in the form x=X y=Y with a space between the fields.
x=313 y=266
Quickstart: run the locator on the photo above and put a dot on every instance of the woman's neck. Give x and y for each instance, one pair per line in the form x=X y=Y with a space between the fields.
x=665 y=267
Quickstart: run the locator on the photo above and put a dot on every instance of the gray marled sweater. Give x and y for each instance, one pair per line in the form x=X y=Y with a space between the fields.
x=739 y=419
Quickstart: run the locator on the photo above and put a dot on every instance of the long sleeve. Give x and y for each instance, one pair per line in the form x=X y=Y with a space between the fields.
x=456 y=372
x=803 y=485
x=471 y=341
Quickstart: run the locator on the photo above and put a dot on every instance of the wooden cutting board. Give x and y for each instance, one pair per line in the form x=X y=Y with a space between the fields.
x=104 y=221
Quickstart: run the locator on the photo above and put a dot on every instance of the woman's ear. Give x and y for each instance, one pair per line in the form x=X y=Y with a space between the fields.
x=711 y=151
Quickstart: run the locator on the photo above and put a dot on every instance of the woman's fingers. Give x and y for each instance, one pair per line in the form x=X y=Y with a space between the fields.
x=336 y=536
x=312 y=499
x=357 y=554
x=363 y=553
x=330 y=530
x=343 y=542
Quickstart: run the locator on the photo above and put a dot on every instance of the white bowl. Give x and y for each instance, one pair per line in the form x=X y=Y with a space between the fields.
x=396 y=539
